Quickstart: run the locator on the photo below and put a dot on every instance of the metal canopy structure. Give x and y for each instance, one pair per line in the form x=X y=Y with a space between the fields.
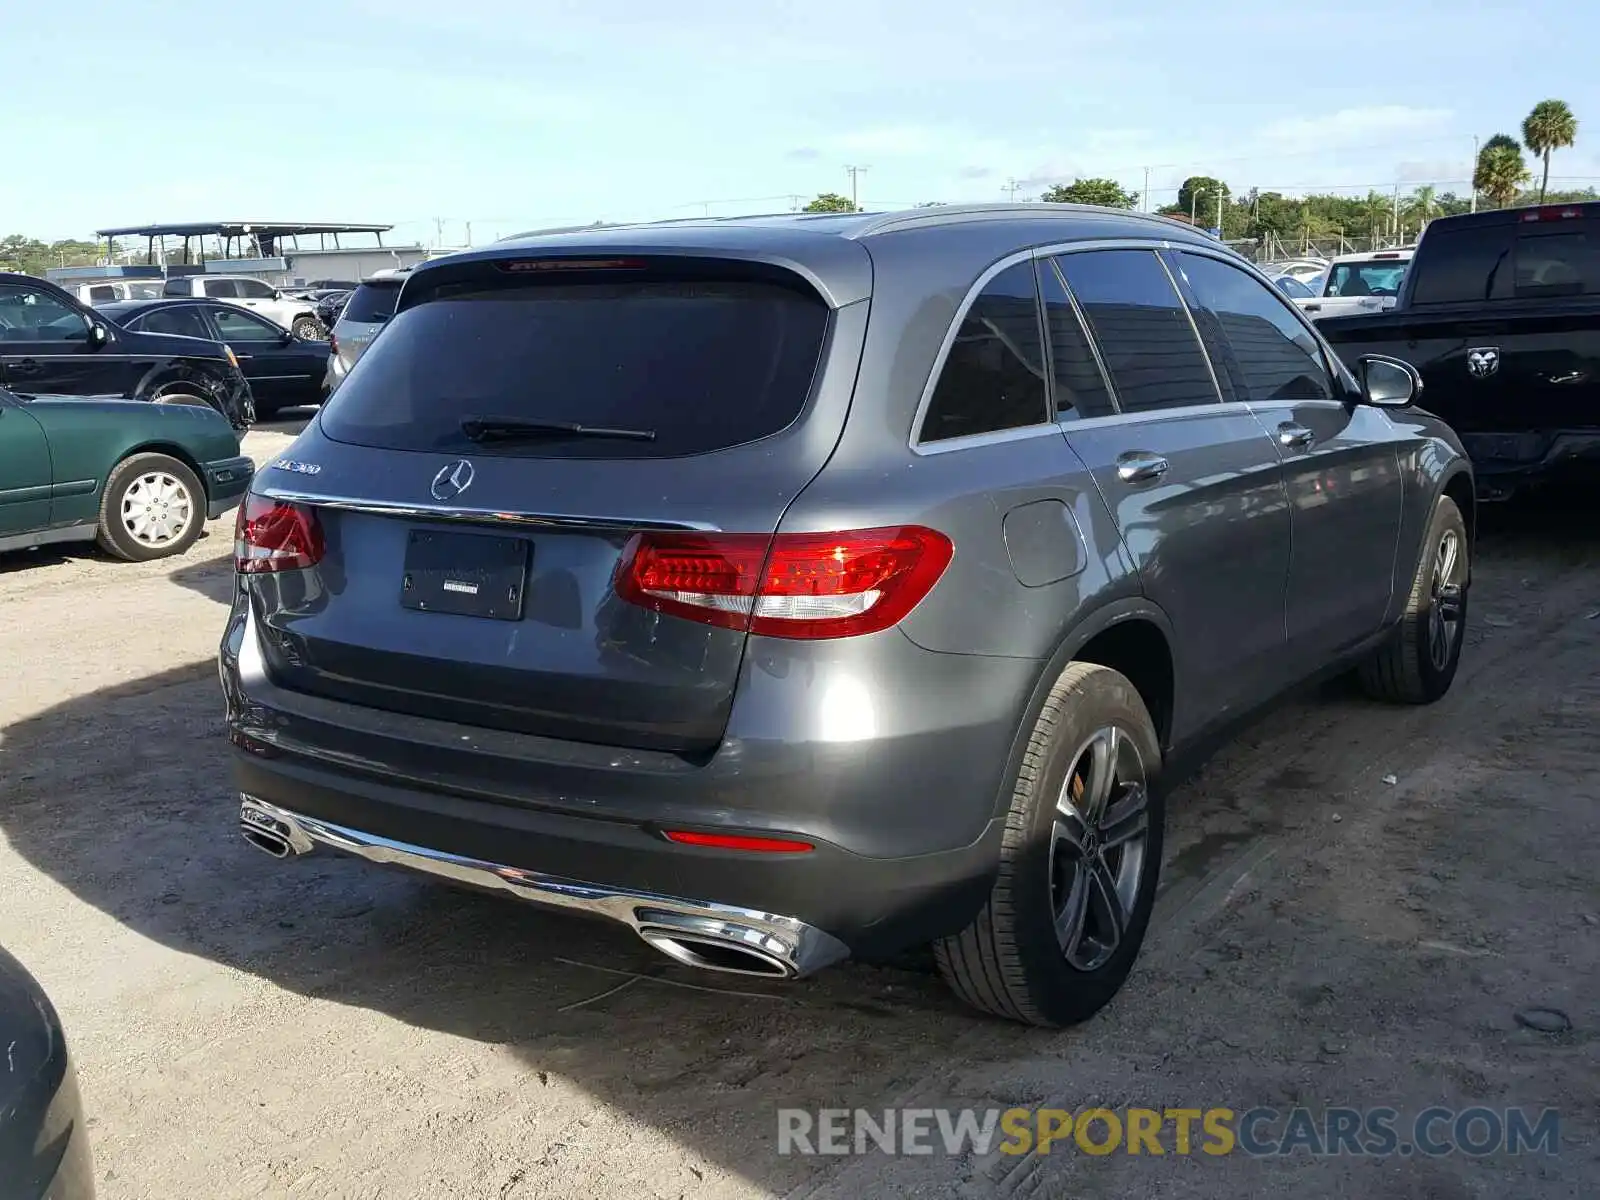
x=266 y=235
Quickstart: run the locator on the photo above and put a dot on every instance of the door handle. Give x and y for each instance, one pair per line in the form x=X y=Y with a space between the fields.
x=1140 y=466
x=1295 y=437
x=25 y=366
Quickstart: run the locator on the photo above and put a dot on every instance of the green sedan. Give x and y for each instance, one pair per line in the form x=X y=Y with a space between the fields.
x=140 y=479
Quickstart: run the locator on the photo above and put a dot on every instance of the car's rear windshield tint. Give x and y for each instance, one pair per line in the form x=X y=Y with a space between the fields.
x=705 y=365
x=372 y=302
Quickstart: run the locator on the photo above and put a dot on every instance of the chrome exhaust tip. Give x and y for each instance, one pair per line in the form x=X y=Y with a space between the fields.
x=270 y=843
x=712 y=954
x=717 y=944
x=271 y=830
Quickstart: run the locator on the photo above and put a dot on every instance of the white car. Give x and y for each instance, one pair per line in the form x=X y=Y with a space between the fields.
x=1303 y=269
x=1358 y=283
x=299 y=317
x=108 y=291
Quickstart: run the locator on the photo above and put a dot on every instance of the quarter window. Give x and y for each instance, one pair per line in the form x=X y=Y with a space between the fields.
x=1144 y=333
x=1267 y=350
x=994 y=375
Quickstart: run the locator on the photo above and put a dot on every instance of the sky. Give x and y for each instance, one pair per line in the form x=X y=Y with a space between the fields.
x=516 y=114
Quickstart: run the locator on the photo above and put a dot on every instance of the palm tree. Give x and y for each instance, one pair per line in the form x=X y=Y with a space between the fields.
x=1550 y=126
x=1500 y=172
x=1421 y=205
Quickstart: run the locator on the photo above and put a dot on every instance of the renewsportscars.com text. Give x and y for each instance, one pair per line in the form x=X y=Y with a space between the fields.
x=1256 y=1132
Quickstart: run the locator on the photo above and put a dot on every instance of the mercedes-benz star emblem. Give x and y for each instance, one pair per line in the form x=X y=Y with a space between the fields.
x=451 y=481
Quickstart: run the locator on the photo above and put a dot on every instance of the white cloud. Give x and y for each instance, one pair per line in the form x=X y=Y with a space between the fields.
x=1354 y=126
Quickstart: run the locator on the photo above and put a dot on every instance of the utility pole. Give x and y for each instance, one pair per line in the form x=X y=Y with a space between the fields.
x=1144 y=196
x=469 y=235
x=1396 y=230
x=1011 y=188
x=1219 y=213
x=1474 y=174
x=855 y=173
x=438 y=232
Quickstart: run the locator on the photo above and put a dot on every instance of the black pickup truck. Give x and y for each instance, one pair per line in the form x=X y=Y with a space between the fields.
x=1500 y=312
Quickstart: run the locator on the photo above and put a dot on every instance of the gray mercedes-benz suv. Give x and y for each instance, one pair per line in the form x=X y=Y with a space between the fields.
x=795 y=587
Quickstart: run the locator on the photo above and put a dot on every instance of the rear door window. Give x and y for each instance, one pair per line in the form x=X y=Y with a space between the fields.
x=183 y=319
x=993 y=376
x=703 y=365
x=371 y=303
x=1080 y=389
x=221 y=288
x=1139 y=321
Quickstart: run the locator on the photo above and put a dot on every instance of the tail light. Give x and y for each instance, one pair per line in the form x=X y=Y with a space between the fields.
x=333 y=344
x=792 y=585
x=273 y=535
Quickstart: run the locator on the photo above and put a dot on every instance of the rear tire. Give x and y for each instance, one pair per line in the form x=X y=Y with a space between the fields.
x=153 y=507
x=1079 y=860
x=1418 y=664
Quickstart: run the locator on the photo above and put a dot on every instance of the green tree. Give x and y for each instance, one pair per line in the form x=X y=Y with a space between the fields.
x=1107 y=193
x=830 y=202
x=1198 y=196
x=1501 y=171
x=1422 y=205
x=1550 y=126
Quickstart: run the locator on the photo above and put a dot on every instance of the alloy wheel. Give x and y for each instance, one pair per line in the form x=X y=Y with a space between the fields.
x=1448 y=601
x=1097 y=847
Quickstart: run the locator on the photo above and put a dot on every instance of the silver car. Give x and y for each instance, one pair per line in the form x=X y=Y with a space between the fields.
x=799 y=587
x=364 y=313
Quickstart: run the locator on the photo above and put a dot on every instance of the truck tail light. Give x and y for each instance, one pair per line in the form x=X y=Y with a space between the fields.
x=1553 y=212
x=274 y=535
x=789 y=585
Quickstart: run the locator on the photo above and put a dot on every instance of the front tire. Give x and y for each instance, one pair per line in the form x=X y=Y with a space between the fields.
x=1418 y=664
x=153 y=507
x=1079 y=860
x=308 y=329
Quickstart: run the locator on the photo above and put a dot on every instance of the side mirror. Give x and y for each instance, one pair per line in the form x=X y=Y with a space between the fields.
x=98 y=335
x=277 y=293
x=1387 y=382
x=286 y=338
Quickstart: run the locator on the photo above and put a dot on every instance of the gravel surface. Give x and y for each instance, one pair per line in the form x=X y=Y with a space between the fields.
x=1359 y=901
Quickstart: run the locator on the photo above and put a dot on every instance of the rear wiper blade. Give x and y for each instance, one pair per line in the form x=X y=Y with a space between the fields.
x=501 y=429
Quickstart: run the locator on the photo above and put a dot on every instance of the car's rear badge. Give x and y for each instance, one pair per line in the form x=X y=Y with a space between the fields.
x=1483 y=361
x=299 y=468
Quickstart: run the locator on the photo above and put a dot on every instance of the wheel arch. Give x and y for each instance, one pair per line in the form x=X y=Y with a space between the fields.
x=1133 y=636
x=1460 y=487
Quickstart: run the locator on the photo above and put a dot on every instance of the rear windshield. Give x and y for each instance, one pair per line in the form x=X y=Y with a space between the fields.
x=1505 y=262
x=704 y=365
x=372 y=302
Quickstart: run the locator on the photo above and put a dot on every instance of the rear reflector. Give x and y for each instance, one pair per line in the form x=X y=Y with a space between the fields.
x=792 y=585
x=731 y=841
x=272 y=535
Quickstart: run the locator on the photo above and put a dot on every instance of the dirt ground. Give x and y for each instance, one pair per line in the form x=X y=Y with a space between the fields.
x=1358 y=901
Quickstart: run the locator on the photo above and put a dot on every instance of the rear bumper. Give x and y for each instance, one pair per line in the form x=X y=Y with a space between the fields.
x=226 y=481
x=1505 y=461
x=904 y=827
